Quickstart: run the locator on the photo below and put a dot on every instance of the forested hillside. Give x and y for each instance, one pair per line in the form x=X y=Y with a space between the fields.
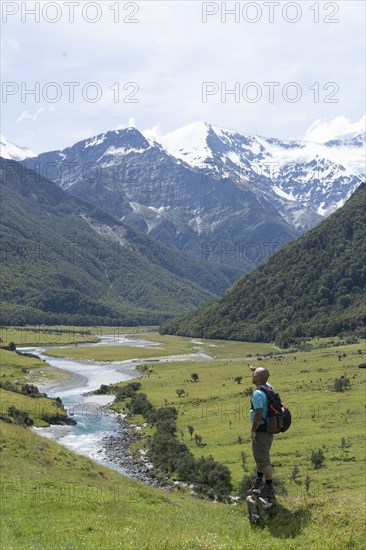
x=312 y=286
x=66 y=261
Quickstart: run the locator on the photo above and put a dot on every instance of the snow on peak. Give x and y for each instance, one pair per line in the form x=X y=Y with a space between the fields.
x=8 y=150
x=188 y=143
x=95 y=140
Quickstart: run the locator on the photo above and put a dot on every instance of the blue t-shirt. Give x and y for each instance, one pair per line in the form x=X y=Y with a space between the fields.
x=260 y=401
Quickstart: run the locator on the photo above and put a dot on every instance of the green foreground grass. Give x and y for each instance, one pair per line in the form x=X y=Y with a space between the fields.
x=92 y=507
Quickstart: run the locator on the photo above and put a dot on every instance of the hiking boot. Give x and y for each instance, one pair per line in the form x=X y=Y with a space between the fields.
x=257 y=484
x=266 y=491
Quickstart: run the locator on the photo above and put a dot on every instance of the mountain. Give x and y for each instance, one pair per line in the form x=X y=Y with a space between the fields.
x=8 y=150
x=136 y=180
x=305 y=180
x=314 y=285
x=66 y=261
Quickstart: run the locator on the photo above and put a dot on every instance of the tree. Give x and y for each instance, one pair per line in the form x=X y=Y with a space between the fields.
x=194 y=377
x=198 y=440
x=238 y=379
x=191 y=430
x=11 y=346
x=295 y=473
x=243 y=456
x=179 y=392
x=341 y=384
x=345 y=443
x=317 y=458
x=307 y=483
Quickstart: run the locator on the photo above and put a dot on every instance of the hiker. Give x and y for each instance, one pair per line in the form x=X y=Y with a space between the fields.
x=261 y=439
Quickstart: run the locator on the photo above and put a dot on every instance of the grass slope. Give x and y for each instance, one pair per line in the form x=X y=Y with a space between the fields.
x=312 y=286
x=92 y=507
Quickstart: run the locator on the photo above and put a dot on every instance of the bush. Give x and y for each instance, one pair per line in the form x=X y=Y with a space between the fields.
x=212 y=479
x=32 y=391
x=341 y=384
x=317 y=458
x=20 y=417
x=140 y=405
x=104 y=389
x=127 y=391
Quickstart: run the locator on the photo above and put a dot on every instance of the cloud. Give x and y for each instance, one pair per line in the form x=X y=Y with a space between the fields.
x=34 y=116
x=152 y=133
x=324 y=130
x=130 y=124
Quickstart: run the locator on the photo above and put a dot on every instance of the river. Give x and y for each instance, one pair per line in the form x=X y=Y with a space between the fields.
x=93 y=421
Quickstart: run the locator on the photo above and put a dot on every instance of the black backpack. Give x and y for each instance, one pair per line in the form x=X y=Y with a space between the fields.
x=278 y=416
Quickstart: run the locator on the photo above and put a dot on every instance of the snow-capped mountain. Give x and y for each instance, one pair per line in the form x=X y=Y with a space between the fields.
x=10 y=151
x=210 y=191
x=315 y=177
x=138 y=181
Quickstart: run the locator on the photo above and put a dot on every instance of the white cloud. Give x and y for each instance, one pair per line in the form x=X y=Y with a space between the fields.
x=130 y=124
x=152 y=133
x=26 y=114
x=169 y=54
x=324 y=130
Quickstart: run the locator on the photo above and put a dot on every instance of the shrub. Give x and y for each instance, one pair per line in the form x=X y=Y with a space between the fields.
x=317 y=458
x=20 y=417
x=140 y=405
x=127 y=391
x=341 y=384
x=213 y=479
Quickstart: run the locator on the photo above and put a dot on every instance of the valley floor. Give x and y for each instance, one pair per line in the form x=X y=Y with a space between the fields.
x=53 y=498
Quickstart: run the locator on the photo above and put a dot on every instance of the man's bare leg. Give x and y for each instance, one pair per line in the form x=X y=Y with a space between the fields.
x=267 y=470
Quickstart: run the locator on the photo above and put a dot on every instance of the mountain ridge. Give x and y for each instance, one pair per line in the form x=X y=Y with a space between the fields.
x=138 y=182
x=61 y=254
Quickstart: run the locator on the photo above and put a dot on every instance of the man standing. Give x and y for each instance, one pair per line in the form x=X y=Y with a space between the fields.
x=261 y=440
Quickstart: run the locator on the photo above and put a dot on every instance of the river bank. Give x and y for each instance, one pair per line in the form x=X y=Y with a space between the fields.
x=117 y=448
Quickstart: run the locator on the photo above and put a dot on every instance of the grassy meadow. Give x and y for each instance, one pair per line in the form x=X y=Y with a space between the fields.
x=165 y=346
x=216 y=408
x=53 y=498
x=44 y=335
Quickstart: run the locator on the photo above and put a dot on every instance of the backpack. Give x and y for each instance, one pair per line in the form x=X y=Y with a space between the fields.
x=278 y=416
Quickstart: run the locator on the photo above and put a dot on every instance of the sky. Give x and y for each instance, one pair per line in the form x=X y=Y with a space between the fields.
x=73 y=69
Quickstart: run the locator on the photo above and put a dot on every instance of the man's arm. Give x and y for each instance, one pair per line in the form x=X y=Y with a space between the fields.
x=255 y=425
